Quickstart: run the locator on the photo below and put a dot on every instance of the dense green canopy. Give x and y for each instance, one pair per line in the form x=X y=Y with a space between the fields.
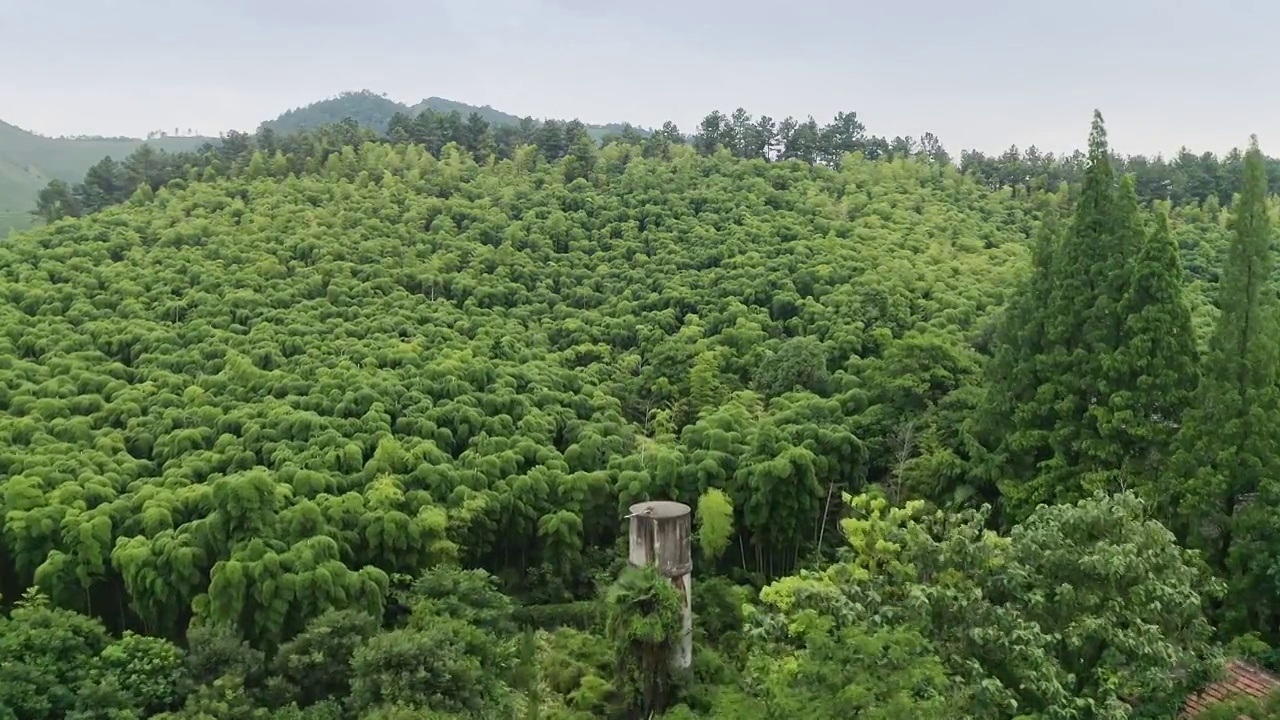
x=312 y=433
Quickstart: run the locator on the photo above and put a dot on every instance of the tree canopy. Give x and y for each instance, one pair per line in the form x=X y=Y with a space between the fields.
x=344 y=424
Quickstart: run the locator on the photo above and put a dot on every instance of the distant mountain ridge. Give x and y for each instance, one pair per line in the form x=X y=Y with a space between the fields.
x=374 y=111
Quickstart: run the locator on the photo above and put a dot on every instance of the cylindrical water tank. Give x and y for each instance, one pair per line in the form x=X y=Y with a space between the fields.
x=661 y=536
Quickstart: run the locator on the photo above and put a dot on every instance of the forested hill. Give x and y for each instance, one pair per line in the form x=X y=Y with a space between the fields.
x=375 y=111
x=336 y=425
x=395 y=361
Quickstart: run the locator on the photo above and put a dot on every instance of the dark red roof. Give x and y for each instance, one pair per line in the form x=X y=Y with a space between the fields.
x=1242 y=679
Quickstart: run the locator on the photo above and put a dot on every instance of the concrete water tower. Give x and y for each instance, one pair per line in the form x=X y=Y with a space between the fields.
x=662 y=536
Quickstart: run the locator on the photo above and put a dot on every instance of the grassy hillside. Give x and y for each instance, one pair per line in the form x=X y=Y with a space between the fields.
x=18 y=186
x=29 y=161
x=372 y=110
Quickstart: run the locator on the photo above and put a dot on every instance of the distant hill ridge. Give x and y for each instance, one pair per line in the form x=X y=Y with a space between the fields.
x=374 y=110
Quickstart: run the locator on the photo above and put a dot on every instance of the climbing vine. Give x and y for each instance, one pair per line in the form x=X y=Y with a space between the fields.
x=644 y=625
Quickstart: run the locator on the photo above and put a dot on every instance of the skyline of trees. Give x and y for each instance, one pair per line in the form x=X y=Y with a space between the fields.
x=1185 y=178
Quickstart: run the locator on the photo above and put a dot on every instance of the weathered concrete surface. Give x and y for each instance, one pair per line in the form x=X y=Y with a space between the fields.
x=662 y=536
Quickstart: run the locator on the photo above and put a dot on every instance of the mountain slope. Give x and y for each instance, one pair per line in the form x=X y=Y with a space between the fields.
x=258 y=405
x=365 y=107
x=29 y=161
x=443 y=105
x=18 y=185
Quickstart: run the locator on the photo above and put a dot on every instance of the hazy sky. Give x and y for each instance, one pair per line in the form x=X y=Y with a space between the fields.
x=977 y=73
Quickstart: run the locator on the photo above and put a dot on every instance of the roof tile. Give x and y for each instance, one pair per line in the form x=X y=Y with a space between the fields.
x=1242 y=678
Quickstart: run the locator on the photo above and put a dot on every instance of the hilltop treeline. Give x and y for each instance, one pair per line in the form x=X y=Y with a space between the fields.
x=111 y=182
x=352 y=118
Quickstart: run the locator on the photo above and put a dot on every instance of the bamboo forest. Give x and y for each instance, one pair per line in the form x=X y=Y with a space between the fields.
x=346 y=424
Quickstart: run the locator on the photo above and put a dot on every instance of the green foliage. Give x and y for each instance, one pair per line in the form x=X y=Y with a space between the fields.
x=376 y=111
x=1081 y=609
x=797 y=364
x=1161 y=364
x=48 y=655
x=364 y=107
x=884 y=674
x=1228 y=445
x=29 y=162
x=317 y=662
x=714 y=516
x=337 y=414
x=1079 y=560
x=445 y=665
x=147 y=670
x=61 y=664
x=1096 y=360
x=579 y=668
x=583 y=615
x=225 y=698
x=644 y=624
x=719 y=618
x=216 y=653
x=269 y=444
x=471 y=596
x=1186 y=179
x=1267 y=708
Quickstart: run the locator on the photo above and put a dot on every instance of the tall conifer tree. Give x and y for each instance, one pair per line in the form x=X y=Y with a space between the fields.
x=1228 y=446
x=1157 y=369
x=1072 y=413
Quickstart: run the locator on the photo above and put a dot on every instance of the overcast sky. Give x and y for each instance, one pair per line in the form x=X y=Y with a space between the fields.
x=977 y=73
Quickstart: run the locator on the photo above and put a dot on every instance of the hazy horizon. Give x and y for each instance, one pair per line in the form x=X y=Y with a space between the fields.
x=989 y=75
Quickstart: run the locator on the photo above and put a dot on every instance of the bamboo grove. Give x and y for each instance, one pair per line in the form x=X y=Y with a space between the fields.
x=350 y=433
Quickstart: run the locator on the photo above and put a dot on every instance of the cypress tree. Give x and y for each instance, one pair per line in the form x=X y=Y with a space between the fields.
x=1227 y=449
x=1157 y=368
x=1074 y=409
x=1087 y=324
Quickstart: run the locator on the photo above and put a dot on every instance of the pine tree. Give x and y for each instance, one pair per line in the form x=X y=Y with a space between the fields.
x=1227 y=449
x=1073 y=413
x=1085 y=327
x=1157 y=366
